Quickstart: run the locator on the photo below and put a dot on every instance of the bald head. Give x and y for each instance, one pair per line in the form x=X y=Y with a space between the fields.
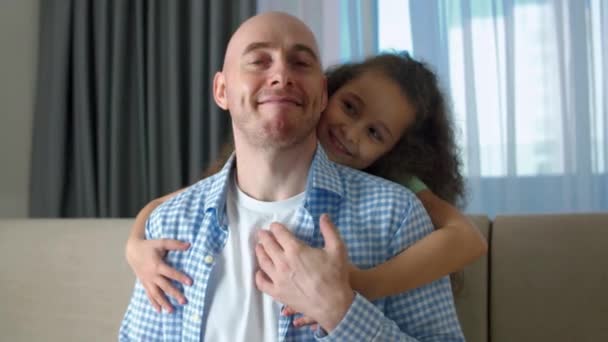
x=269 y=29
x=272 y=82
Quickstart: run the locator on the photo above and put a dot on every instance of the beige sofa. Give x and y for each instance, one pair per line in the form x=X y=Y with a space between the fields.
x=545 y=279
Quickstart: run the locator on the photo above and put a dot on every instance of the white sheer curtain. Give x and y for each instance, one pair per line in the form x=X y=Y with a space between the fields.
x=528 y=81
x=345 y=29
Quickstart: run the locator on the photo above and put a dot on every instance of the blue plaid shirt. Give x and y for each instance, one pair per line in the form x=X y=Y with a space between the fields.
x=377 y=220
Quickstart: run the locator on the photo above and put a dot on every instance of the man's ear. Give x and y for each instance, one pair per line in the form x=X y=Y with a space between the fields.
x=219 y=90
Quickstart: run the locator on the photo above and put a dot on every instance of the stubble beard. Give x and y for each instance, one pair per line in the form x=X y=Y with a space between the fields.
x=277 y=135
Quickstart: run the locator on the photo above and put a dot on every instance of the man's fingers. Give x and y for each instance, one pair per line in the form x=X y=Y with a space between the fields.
x=271 y=246
x=174 y=274
x=263 y=283
x=330 y=234
x=283 y=236
x=173 y=245
x=264 y=260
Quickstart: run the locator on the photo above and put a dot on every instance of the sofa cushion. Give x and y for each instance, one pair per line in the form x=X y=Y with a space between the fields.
x=66 y=280
x=549 y=278
x=472 y=298
x=63 y=280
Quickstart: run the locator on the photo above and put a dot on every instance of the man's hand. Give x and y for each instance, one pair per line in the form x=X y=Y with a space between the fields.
x=310 y=280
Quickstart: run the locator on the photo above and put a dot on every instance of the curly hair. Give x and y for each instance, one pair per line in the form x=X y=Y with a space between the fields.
x=427 y=148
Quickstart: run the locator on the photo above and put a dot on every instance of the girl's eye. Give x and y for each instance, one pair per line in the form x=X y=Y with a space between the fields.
x=349 y=108
x=375 y=134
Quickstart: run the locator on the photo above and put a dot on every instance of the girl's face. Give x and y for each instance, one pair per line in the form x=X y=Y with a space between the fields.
x=364 y=119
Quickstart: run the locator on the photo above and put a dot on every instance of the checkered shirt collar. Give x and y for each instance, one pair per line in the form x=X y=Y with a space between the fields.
x=323 y=175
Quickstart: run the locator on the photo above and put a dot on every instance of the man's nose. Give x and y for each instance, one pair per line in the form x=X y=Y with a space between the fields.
x=281 y=75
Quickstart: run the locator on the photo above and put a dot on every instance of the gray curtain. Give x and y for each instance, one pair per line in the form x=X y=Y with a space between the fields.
x=124 y=111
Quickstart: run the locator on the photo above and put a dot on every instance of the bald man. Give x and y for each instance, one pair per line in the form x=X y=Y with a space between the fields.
x=272 y=204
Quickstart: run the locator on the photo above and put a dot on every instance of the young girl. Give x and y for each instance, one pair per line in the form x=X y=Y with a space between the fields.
x=366 y=101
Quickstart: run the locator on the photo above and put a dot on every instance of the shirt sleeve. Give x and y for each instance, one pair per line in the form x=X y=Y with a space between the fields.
x=426 y=313
x=415 y=184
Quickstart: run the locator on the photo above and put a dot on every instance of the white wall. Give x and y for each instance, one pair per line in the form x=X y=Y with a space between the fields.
x=18 y=58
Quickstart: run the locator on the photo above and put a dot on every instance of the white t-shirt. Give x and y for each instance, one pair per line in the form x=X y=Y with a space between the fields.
x=236 y=309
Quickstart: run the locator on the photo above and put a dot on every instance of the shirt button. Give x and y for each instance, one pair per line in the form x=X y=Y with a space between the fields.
x=209 y=259
x=196 y=318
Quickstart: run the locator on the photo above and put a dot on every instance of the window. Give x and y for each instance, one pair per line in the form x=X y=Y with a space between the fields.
x=511 y=84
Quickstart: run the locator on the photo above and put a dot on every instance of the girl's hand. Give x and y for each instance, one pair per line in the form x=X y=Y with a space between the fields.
x=146 y=260
x=300 y=321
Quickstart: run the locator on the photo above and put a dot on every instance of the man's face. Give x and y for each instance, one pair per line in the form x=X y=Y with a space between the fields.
x=272 y=82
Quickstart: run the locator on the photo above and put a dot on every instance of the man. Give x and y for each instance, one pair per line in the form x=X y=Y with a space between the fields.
x=273 y=86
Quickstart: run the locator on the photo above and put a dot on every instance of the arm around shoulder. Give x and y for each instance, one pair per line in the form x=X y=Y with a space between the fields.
x=424 y=313
x=454 y=243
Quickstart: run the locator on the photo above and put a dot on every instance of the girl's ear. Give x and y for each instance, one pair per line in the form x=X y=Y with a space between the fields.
x=219 y=90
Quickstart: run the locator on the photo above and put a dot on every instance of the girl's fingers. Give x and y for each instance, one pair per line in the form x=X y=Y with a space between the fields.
x=159 y=297
x=288 y=311
x=174 y=274
x=173 y=245
x=168 y=289
x=303 y=321
x=153 y=302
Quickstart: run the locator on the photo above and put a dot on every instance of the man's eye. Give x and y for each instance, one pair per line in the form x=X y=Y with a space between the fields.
x=259 y=60
x=302 y=64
